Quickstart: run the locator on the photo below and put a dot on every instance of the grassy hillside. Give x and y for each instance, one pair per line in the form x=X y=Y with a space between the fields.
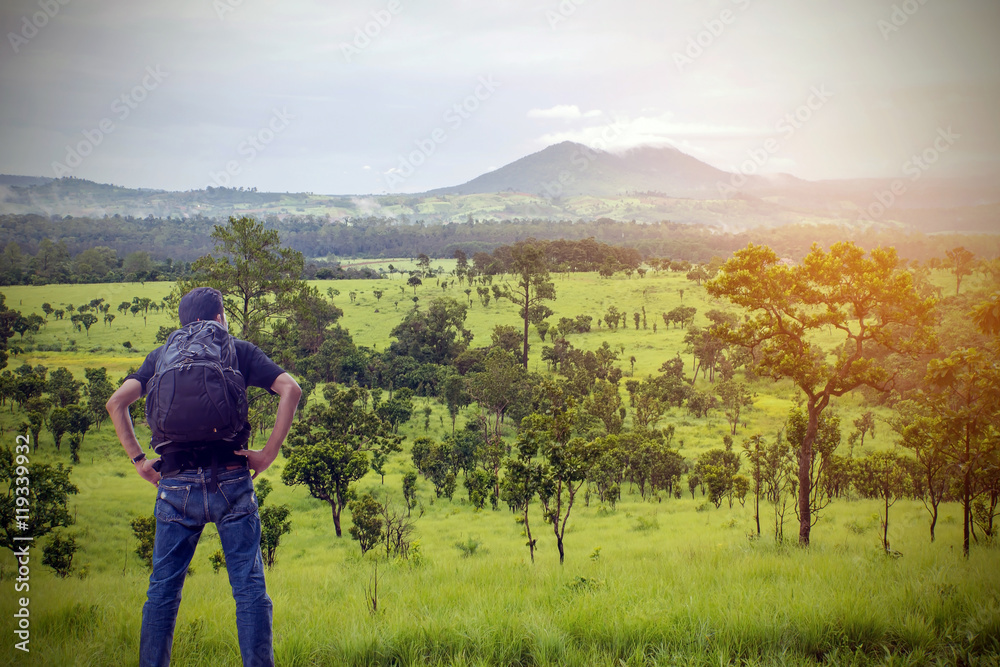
x=662 y=582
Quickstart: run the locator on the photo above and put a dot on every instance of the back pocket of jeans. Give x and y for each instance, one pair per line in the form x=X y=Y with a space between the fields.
x=239 y=493
x=171 y=502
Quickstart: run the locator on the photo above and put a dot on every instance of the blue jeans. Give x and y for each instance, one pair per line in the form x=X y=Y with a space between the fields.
x=184 y=504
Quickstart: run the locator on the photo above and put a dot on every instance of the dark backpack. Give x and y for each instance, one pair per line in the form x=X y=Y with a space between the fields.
x=197 y=392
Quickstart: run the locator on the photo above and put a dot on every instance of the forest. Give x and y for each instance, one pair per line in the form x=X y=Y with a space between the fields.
x=65 y=249
x=585 y=421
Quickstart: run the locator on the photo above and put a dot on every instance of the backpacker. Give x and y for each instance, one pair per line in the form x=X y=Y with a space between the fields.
x=197 y=392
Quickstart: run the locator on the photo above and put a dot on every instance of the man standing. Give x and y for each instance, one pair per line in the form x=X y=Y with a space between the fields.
x=206 y=481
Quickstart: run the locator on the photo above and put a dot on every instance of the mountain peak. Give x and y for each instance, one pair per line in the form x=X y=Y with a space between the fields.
x=573 y=169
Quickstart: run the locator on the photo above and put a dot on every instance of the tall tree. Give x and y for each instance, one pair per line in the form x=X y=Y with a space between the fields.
x=501 y=386
x=436 y=335
x=523 y=477
x=258 y=276
x=926 y=438
x=59 y=423
x=869 y=303
x=735 y=398
x=63 y=388
x=567 y=461
x=755 y=450
x=327 y=450
x=962 y=264
x=964 y=393
x=533 y=286
x=882 y=475
x=99 y=390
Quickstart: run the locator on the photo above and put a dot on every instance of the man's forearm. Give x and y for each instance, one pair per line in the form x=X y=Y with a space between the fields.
x=118 y=410
x=290 y=393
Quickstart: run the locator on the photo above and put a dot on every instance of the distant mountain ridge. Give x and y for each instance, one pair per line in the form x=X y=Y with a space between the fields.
x=570 y=169
x=23 y=181
x=566 y=181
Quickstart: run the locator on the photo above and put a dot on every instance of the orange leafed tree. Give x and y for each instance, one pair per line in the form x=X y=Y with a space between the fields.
x=866 y=299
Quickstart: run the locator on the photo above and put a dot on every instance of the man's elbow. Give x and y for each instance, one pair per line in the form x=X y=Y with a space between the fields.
x=123 y=397
x=287 y=386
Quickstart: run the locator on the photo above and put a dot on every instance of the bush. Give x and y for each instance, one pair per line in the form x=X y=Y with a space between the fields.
x=469 y=547
x=58 y=554
x=218 y=560
x=144 y=529
x=366 y=517
x=273 y=524
x=647 y=523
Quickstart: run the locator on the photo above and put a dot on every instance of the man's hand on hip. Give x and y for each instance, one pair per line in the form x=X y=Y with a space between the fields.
x=257 y=460
x=145 y=470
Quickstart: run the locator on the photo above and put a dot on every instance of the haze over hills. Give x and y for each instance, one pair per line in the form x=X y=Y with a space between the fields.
x=569 y=181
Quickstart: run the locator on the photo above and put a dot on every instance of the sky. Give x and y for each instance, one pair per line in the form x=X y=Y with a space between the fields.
x=381 y=96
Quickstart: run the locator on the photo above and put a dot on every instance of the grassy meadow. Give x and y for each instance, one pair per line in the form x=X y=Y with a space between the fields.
x=659 y=582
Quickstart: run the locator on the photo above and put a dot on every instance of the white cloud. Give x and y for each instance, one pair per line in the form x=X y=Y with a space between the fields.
x=564 y=112
x=624 y=133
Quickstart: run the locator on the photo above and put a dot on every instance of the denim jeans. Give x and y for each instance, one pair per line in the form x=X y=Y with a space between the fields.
x=184 y=504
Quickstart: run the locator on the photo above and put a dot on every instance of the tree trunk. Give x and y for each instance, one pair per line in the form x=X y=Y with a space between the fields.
x=526 y=301
x=336 y=518
x=885 y=526
x=805 y=476
x=756 y=507
x=527 y=530
x=966 y=496
x=966 y=501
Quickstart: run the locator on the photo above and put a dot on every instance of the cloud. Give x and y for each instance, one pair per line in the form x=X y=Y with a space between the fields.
x=624 y=133
x=564 y=112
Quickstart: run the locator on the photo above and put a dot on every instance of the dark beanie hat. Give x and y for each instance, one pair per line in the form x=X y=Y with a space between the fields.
x=201 y=303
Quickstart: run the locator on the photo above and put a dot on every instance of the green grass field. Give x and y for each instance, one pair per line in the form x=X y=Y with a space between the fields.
x=661 y=582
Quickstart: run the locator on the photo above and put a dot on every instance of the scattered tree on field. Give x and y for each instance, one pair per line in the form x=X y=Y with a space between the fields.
x=962 y=264
x=870 y=302
x=533 y=286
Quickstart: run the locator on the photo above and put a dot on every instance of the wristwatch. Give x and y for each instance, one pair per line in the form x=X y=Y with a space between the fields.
x=141 y=457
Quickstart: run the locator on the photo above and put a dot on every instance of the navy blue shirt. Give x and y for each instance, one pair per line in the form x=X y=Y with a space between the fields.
x=257 y=368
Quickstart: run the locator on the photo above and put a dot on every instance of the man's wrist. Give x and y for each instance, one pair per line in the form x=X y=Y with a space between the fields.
x=140 y=458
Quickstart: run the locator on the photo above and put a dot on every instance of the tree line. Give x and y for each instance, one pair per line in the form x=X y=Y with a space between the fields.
x=46 y=249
